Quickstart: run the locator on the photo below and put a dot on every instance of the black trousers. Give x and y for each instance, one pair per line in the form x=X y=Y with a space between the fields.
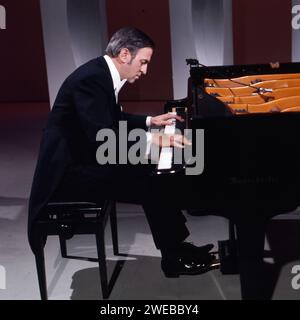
x=129 y=184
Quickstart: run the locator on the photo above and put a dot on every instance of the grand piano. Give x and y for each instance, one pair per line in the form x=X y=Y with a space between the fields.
x=250 y=115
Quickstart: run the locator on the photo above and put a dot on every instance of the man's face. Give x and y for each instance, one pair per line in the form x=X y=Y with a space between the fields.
x=137 y=66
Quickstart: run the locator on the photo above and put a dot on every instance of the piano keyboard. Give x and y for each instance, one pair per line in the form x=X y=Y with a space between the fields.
x=166 y=154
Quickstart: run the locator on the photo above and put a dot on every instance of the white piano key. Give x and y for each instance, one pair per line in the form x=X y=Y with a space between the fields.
x=170 y=129
x=166 y=154
x=165 y=158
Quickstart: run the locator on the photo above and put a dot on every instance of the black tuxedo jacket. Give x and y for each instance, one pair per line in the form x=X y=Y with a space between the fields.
x=85 y=104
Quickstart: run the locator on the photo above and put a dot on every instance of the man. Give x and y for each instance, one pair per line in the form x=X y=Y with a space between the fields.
x=67 y=167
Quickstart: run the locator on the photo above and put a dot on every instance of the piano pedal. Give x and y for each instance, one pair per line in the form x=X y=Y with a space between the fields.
x=215 y=264
x=228 y=257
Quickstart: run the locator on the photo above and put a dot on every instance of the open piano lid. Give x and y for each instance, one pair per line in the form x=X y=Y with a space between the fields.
x=199 y=72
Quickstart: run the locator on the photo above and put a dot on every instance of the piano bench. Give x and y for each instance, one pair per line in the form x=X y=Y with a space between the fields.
x=66 y=219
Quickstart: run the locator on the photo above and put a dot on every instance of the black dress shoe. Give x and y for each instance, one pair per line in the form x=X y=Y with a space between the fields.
x=191 y=249
x=174 y=266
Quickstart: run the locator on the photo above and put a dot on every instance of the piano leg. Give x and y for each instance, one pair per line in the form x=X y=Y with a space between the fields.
x=228 y=252
x=250 y=244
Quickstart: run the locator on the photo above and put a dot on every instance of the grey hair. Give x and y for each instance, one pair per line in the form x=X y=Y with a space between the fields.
x=131 y=38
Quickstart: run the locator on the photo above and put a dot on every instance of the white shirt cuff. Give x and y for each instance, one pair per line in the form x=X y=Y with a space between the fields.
x=148 y=121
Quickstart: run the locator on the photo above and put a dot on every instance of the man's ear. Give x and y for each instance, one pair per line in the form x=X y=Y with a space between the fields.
x=125 y=55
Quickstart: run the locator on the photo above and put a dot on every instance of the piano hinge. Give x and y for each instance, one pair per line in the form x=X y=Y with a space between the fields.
x=275 y=65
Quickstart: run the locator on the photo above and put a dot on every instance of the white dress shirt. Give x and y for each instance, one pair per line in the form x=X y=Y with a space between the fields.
x=118 y=84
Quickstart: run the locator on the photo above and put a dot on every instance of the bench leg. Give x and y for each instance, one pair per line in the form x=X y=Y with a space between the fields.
x=114 y=229
x=63 y=246
x=40 y=266
x=102 y=262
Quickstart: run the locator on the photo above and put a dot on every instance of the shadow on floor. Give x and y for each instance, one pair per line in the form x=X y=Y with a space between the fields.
x=86 y=283
x=12 y=201
x=284 y=241
x=142 y=279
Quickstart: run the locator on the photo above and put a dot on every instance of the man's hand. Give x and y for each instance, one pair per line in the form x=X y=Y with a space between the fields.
x=165 y=119
x=173 y=140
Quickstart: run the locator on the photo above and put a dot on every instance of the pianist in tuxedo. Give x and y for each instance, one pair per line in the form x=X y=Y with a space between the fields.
x=67 y=168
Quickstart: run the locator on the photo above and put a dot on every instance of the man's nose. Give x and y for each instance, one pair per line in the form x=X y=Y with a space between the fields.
x=144 y=69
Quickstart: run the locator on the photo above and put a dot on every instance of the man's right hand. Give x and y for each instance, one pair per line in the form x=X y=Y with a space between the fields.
x=165 y=119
